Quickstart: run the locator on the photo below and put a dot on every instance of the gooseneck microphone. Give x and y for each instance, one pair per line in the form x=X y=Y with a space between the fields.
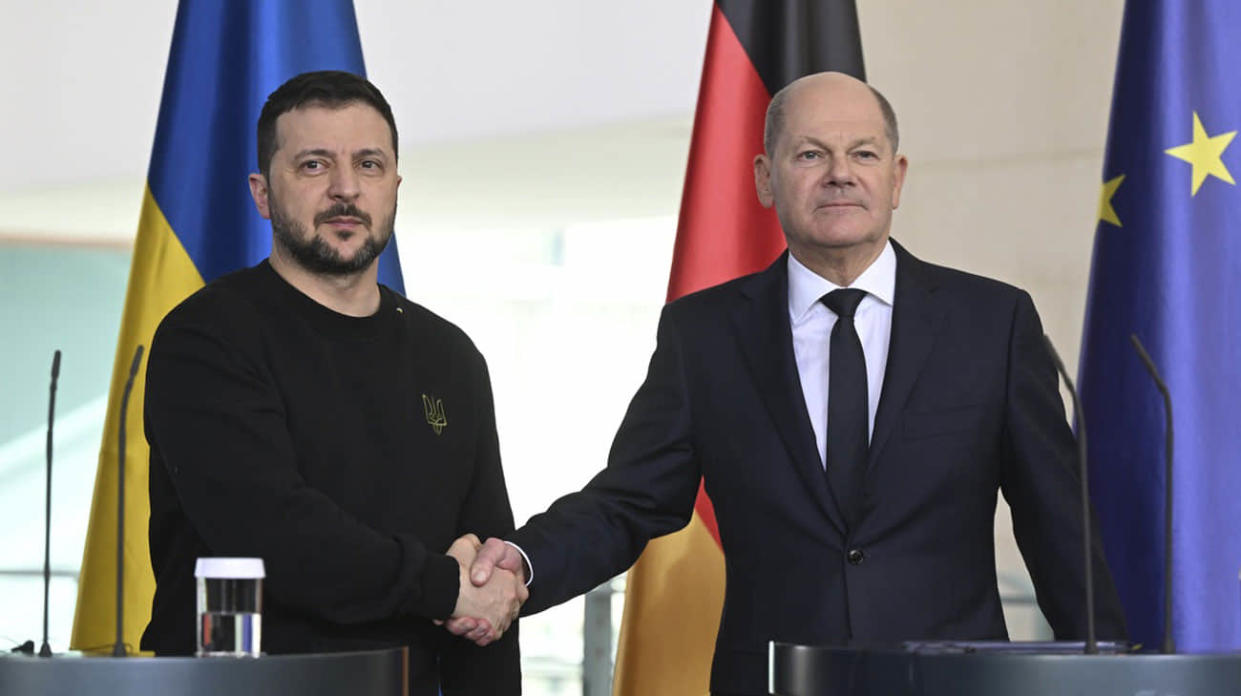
x=46 y=650
x=118 y=648
x=1169 y=646
x=1079 y=419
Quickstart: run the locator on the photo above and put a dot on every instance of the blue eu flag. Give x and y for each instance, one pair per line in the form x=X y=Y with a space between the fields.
x=1167 y=267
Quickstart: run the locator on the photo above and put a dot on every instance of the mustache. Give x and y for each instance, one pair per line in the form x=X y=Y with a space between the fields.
x=343 y=210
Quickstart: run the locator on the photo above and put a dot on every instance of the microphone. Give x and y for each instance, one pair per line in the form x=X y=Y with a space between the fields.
x=1169 y=647
x=118 y=648
x=1079 y=419
x=46 y=650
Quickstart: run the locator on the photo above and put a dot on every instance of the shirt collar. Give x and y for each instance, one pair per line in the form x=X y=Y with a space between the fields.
x=806 y=287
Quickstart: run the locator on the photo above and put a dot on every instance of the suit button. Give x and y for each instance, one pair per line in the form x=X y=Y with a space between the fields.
x=856 y=556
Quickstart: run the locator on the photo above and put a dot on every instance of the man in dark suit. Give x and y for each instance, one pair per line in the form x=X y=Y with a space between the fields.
x=853 y=411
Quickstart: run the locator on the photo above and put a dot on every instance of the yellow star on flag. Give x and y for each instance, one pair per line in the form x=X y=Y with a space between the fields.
x=1204 y=154
x=1106 y=212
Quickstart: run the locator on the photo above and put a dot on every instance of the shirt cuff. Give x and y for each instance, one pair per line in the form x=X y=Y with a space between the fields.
x=526 y=560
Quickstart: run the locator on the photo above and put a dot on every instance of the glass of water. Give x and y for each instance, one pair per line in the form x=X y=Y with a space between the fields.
x=230 y=606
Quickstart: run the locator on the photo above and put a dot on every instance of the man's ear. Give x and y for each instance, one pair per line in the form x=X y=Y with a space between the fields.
x=762 y=181
x=258 y=191
x=898 y=180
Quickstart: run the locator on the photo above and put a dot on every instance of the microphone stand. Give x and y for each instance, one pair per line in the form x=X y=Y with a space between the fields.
x=1169 y=646
x=1079 y=418
x=46 y=650
x=118 y=648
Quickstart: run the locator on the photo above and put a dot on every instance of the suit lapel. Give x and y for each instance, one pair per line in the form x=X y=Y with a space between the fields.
x=761 y=323
x=916 y=321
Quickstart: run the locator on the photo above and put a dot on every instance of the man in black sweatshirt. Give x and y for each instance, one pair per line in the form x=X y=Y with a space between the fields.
x=300 y=412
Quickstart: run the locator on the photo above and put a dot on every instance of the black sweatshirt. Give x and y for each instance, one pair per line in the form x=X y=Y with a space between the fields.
x=348 y=453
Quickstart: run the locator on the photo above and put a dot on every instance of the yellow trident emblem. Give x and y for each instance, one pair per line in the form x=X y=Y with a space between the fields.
x=434 y=408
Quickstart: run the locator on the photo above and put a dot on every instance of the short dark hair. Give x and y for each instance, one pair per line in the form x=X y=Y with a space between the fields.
x=774 y=123
x=331 y=88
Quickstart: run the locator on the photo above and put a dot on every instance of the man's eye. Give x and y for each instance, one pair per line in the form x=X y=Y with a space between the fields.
x=808 y=155
x=312 y=165
x=369 y=164
x=867 y=154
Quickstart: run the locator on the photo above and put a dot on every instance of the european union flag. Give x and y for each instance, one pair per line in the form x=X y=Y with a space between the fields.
x=1167 y=266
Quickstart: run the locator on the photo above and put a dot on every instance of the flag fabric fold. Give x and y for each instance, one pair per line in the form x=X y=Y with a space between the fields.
x=197 y=223
x=1167 y=268
x=675 y=592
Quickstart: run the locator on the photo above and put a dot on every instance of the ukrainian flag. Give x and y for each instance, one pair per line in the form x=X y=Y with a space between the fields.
x=198 y=222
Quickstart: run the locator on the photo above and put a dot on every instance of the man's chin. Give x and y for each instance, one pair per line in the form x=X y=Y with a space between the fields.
x=842 y=240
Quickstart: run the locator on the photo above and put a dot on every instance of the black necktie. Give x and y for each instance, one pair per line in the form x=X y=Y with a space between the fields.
x=847 y=406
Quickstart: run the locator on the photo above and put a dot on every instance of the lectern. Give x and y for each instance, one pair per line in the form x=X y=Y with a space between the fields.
x=1015 y=670
x=373 y=673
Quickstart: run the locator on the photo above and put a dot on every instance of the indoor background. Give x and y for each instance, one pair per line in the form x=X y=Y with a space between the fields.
x=543 y=151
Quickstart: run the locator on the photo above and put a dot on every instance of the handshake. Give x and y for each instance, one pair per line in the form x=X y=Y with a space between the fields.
x=493 y=588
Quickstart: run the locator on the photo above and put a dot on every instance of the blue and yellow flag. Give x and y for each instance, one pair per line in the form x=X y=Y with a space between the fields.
x=198 y=222
x=1167 y=267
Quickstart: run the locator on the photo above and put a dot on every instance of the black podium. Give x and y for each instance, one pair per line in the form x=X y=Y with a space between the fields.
x=798 y=670
x=375 y=673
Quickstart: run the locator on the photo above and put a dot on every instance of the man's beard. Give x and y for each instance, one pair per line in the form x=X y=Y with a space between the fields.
x=313 y=253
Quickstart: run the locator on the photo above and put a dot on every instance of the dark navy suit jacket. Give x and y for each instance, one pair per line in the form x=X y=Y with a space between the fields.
x=970 y=406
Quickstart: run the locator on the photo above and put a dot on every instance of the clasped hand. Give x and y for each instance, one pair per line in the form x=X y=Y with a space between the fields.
x=493 y=588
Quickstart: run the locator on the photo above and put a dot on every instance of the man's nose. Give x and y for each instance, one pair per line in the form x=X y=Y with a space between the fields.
x=344 y=183
x=839 y=172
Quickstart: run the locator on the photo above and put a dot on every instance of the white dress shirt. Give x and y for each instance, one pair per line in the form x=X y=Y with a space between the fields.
x=812 y=324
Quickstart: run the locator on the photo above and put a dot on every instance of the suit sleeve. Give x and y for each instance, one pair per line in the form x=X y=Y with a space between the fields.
x=218 y=424
x=496 y=668
x=646 y=490
x=1041 y=483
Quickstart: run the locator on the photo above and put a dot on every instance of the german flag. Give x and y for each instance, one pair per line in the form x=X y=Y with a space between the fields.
x=754 y=48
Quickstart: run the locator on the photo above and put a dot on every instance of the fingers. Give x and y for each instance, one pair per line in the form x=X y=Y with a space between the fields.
x=460 y=626
x=490 y=599
x=483 y=614
x=496 y=554
x=482 y=633
x=464 y=549
x=489 y=555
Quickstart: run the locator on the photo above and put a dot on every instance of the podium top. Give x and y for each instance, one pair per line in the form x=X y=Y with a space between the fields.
x=1034 y=647
x=963 y=669
x=370 y=673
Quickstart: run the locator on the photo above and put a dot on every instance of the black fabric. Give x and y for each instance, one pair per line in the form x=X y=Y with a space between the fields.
x=847 y=405
x=283 y=430
x=786 y=39
x=970 y=407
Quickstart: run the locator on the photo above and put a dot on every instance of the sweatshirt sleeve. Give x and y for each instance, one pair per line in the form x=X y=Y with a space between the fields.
x=496 y=668
x=217 y=423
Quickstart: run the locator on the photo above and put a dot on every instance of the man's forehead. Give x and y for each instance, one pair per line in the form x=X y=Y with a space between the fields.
x=850 y=129
x=831 y=100
x=351 y=124
x=853 y=125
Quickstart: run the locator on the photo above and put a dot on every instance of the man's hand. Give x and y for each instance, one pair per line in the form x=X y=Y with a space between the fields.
x=496 y=554
x=465 y=549
x=484 y=610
